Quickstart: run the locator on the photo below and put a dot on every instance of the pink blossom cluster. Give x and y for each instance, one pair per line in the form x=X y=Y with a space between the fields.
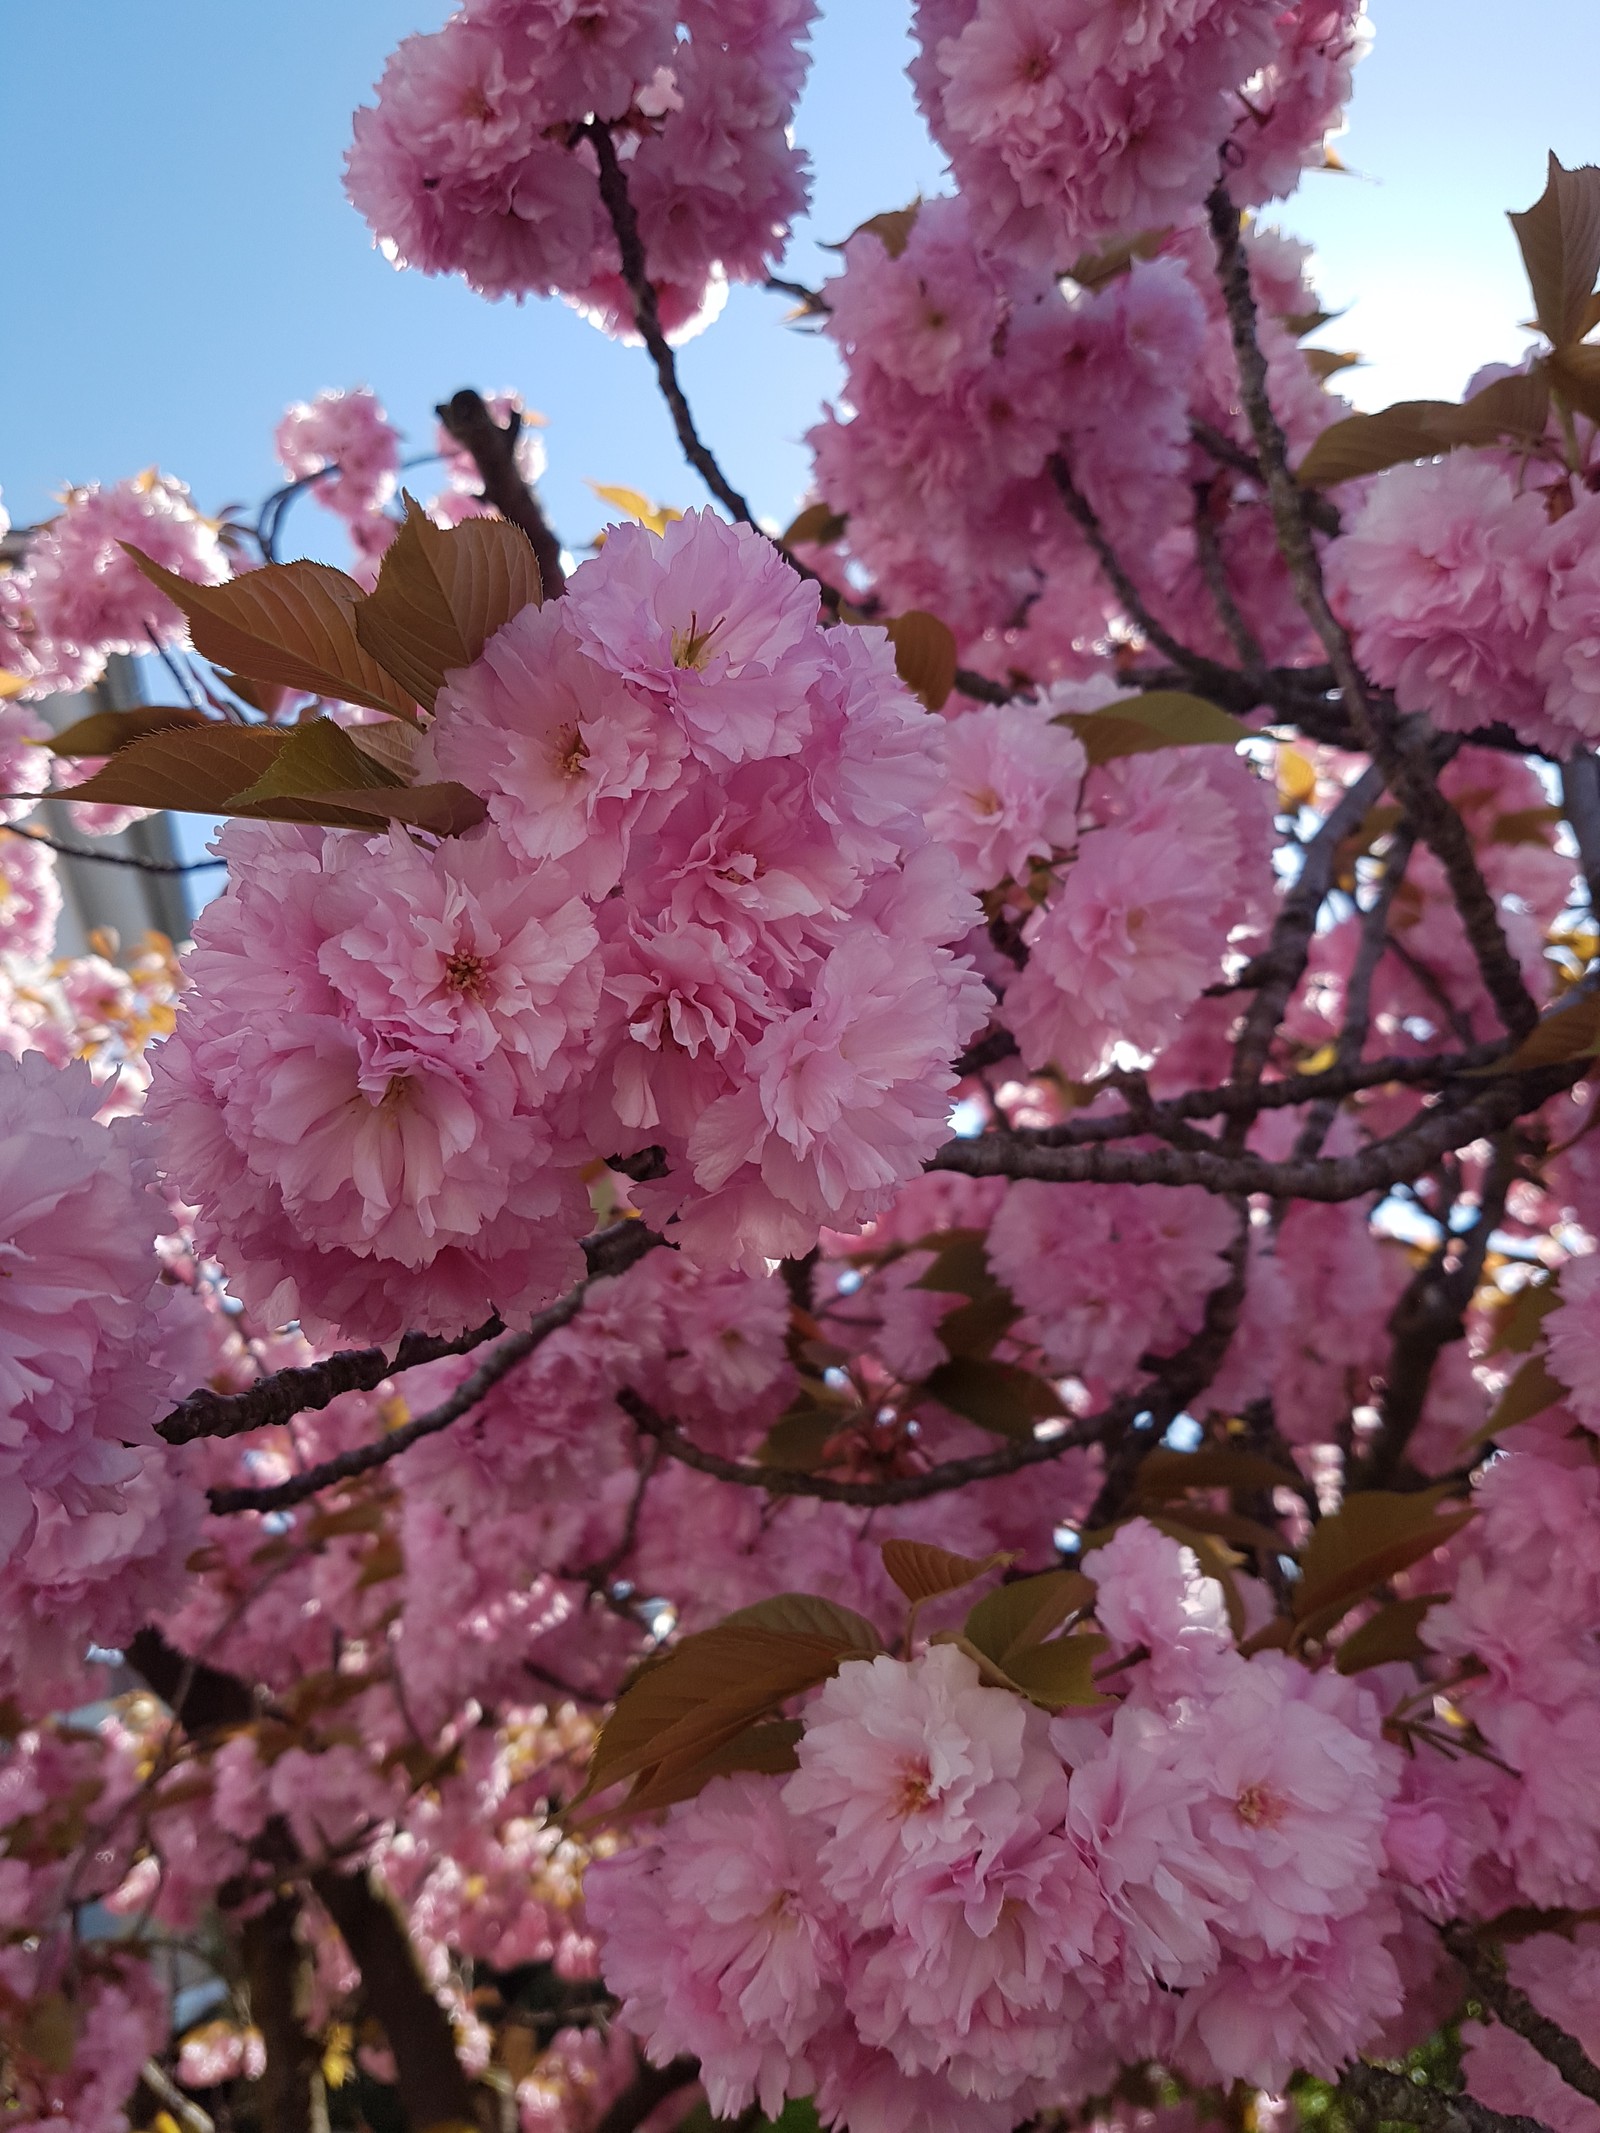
x=958 y=1911
x=345 y=446
x=475 y=159
x=967 y=369
x=77 y=596
x=1474 y=593
x=1069 y=124
x=704 y=917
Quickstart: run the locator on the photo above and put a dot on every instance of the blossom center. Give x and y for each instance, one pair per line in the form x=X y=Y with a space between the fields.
x=914 y=1792
x=1256 y=1805
x=466 y=972
x=571 y=751
x=692 y=647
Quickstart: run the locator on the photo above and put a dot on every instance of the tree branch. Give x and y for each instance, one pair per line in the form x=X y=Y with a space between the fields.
x=275 y=1965
x=647 y=317
x=493 y=448
x=1580 y=797
x=108 y=859
x=1380 y=2097
x=1511 y=2006
x=286 y=1393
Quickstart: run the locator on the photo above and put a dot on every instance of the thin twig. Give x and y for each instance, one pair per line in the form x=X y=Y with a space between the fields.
x=1511 y=2007
x=286 y=1393
x=1214 y=570
x=1580 y=797
x=109 y=859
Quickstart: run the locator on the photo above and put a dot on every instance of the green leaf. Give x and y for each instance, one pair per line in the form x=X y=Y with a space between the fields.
x=442 y=593
x=104 y=732
x=960 y=1263
x=1015 y=1617
x=315 y=758
x=1161 y=718
x=322 y=765
x=1391 y=1634
x=1373 y=1535
x=998 y=1396
x=924 y=1572
x=1060 y=1673
x=799 y=1440
x=1560 y=240
x=1515 y=1325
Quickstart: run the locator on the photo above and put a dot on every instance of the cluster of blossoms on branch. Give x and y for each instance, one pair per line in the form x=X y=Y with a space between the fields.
x=1031 y=1034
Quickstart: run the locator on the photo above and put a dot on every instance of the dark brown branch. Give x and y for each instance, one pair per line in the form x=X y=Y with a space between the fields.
x=1380 y=2097
x=433 y=2089
x=647 y=316
x=1207 y=672
x=1511 y=2006
x=1383 y=1164
x=367 y=1458
x=1403 y=754
x=1214 y=570
x=290 y=2095
x=648 y=2089
x=200 y=1697
x=287 y=1393
x=1321 y=510
x=108 y=859
x=493 y=447
x=1580 y=797
x=1431 y=1313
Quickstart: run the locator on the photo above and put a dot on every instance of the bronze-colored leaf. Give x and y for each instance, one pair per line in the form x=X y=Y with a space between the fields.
x=960 y=1263
x=805 y=1614
x=1161 y=718
x=1575 y=374
x=291 y=623
x=1368 y=1539
x=1093 y=270
x=892 y=228
x=193 y=770
x=104 y=732
x=447 y=809
x=998 y=1396
x=1513 y=407
x=924 y=1572
x=1163 y=1473
x=767 y=1748
x=1325 y=363
x=1570 y=1031
x=1517 y=1323
x=324 y=765
x=799 y=1440
x=441 y=594
x=1560 y=240
x=924 y=655
x=1391 y=1634
x=1533 y=1391
x=817 y=523
x=1015 y=1617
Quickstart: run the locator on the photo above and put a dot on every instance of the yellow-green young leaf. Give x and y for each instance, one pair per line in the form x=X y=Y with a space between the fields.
x=1015 y=1617
x=318 y=757
x=1164 y=1473
x=633 y=503
x=1093 y=270
x=1391 y=1634
x=1560 y=240
x=971 y=1330
x=104 y=732
x=924 y=655
x=1369 y=1538
x=1568 y=1032
x=1060 y=1673
x=292 y=623
x=924 y=1572
x=441 y=594
x=48 y=2031
x=960 y=1263
x=1516 y=1325
x=1533 y=1391
x=767 y=1748
x=817 y=524
x=1161 y=718
x=892 y=228
x=998 y=1396
x=799 y=1441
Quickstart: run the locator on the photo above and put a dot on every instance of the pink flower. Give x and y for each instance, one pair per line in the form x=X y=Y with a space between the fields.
x=711 y=626
x=1438 y=573
x=1150 y=1592
x=564 y=754
x=349 y=434
x=721 y=1943
x=78 y=1385
x=1572 y=1338
x=88 y=596
x=914 y=1767
x=1012 y=793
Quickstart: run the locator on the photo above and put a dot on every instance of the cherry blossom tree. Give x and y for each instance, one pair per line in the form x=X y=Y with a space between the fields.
x=833 y=1359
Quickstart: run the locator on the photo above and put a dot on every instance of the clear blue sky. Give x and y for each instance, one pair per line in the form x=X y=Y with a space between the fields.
x=180 y=260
